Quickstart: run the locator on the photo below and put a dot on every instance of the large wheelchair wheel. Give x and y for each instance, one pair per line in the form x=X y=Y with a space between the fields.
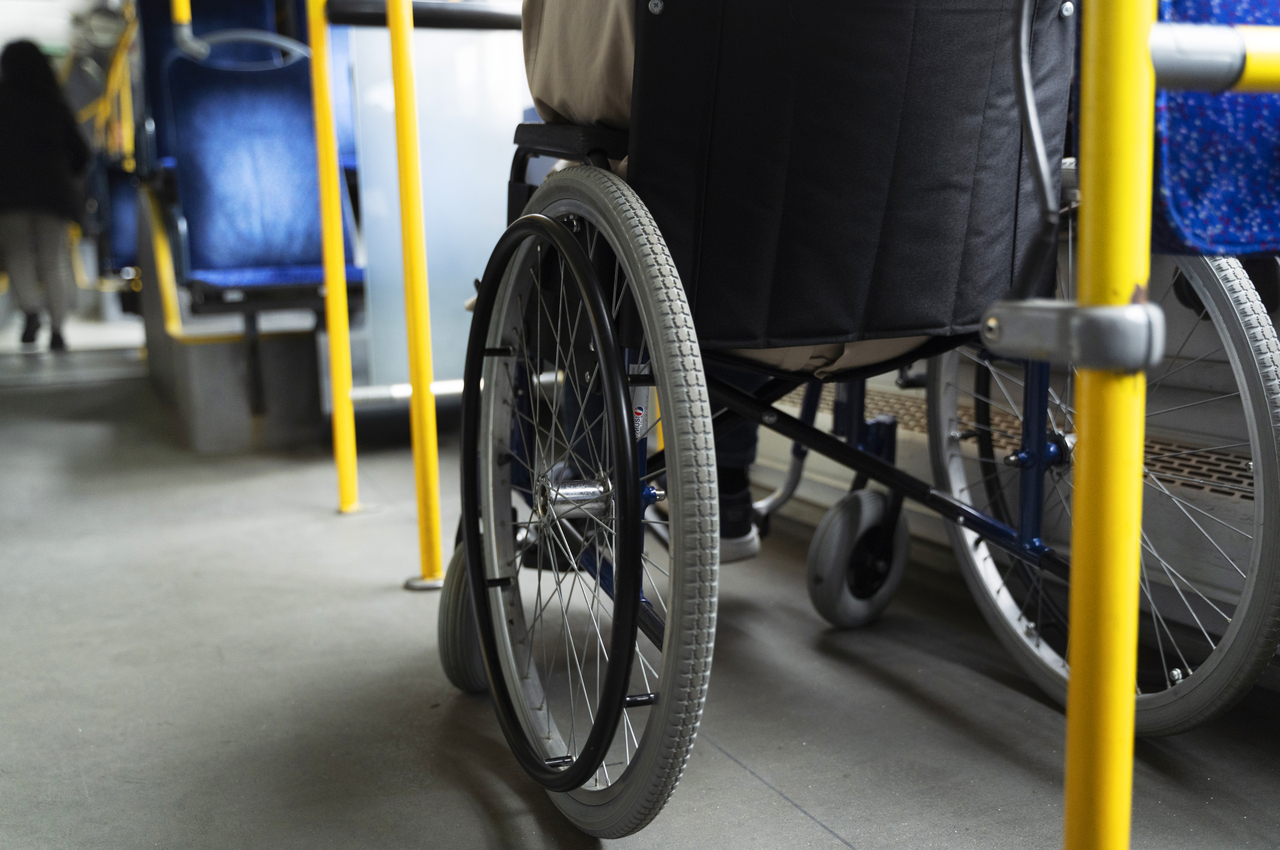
x=1210 y=593
x=598 y=650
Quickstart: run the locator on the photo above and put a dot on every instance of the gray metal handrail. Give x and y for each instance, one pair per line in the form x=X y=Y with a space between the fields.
x=429 y=14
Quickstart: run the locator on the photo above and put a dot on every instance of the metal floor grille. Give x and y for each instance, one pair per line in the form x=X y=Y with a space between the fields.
x=1171 y=462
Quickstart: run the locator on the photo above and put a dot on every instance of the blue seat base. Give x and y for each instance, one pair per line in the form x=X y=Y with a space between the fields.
x=251 y=290
x=267 y=276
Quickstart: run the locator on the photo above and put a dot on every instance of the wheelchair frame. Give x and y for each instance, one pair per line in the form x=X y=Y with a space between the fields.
x=867 y=448
x=1105 y=530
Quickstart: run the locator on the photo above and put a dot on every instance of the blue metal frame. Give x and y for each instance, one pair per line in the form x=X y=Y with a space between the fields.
x=1036 y=455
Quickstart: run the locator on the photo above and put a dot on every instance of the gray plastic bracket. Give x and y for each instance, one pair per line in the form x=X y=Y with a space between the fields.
x=1127 y=338
x=187 y=42
x=1196 y=57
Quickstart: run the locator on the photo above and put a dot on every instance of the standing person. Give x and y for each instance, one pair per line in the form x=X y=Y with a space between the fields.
x=41 y=156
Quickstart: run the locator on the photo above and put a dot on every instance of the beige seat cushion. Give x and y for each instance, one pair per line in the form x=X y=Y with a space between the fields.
x=824 y=360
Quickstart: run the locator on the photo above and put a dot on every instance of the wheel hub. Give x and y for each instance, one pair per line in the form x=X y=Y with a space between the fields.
x=578 y=499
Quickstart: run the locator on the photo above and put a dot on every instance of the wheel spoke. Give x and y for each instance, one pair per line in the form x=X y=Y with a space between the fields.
x=1185 y=504
x=1187 y=365
x=1198 y=526
x=1195 y=481
x=1194 y=404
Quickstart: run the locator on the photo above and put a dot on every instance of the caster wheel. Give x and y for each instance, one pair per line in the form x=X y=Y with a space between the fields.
x=458 y=637
x=849 y=581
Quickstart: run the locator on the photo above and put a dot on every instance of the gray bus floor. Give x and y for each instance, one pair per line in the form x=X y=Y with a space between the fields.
x=199 y=653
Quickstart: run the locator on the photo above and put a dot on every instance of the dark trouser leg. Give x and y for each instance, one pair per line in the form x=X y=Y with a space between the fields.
x=735 y=452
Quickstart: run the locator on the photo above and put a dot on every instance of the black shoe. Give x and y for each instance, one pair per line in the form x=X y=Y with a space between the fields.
x=56 y=342
x=31 y=328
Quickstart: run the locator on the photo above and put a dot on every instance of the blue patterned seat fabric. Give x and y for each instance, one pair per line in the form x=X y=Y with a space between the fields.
x=246 y=171
x=1217 y=156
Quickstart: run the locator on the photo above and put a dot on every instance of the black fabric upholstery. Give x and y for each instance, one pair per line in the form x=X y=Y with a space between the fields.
x=828 y=171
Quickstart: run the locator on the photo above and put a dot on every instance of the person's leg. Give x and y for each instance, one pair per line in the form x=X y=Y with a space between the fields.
x=53 y=256
x=735 y=452
x=17 y=245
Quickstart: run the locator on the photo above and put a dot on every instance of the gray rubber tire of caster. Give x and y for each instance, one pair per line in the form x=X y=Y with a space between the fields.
x=459 y=641
x=848 y=585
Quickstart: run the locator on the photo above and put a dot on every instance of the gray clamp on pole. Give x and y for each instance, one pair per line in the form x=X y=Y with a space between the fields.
x=1196 y=57
x=189 y=44
x=1127 y=338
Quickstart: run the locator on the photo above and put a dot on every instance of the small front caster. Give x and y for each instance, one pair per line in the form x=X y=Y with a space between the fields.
x=459 y=639
x=852 y=570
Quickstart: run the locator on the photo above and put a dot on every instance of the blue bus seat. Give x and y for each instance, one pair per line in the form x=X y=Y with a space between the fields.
x=207 y=16
x=1217 y=168
x=246 y=178
x=344 y=116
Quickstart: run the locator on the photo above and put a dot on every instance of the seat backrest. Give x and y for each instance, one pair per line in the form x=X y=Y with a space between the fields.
x=206 y=16
x=344 y=116
x=246 y=164
x=1217 y=187
x=840 y=170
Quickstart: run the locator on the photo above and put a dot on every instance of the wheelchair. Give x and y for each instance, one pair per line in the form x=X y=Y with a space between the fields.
x=583 y=591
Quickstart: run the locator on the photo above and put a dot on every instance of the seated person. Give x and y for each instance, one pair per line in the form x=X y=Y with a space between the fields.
x=839 y=184
x=579 y=58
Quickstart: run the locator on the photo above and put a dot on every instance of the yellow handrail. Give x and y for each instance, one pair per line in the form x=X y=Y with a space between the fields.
x=422 y=405
x=78 y=272
x=112 y=123
x=1116 y=132
x=125 y=122
x=1262 y=59
x=167 y=279
x=335 y=267
x=162 y=254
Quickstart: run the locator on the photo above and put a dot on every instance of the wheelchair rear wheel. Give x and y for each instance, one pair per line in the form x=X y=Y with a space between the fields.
x=582 y=353
x=1210 y=586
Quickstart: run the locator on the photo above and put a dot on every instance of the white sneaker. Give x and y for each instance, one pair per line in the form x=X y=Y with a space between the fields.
x=740 y=548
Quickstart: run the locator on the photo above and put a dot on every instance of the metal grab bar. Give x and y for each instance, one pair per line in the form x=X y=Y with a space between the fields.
x=199 y=47
x=429 y=14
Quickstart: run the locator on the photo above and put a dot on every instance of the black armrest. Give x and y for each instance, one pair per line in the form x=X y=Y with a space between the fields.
x=571 y=141
x=428 y=14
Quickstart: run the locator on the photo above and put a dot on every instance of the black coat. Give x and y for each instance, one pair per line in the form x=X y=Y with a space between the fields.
x=42 y=154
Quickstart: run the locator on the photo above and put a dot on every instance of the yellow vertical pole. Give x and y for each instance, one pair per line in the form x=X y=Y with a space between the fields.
x=127 y=140
x=1116 y=131
x=180 y=12
x=422 y=407
x=335 y=265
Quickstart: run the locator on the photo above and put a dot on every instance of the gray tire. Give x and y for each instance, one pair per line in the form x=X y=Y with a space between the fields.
x=672 y=662
x=849 y=584
x=459 y=643
x=1210 y=581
